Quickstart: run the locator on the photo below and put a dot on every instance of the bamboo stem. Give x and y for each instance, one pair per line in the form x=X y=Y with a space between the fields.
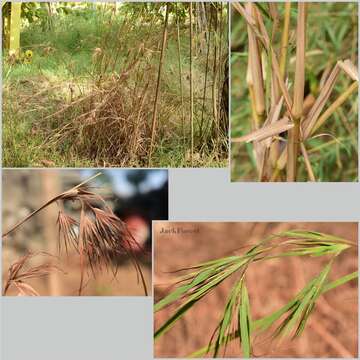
x=15 y=25
x=180 y=74
x=215 y=73
x=256 y=67
x=298 y=103
x=157 y=91
x=205 y=85
x=191 y=87
x=285 y=39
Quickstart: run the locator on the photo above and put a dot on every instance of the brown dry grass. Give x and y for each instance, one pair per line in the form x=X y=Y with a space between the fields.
x=99 y=237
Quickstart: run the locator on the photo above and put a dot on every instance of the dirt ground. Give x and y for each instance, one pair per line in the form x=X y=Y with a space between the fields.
x=104 y=284
x=332 y=330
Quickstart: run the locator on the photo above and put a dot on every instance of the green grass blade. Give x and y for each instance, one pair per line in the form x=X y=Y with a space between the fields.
x=265 y=322
x=244 y=322
x=227 y=317
x=341 y=281
x=181 y=290
x=200 y=293
x=301 y=313
x=310 y=235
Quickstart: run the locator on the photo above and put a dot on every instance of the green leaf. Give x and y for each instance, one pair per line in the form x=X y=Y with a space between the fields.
x=209 y=269
x=178 y=292
x=265 y=322
x=311 y=235
x=244 y=322
x=224 y=325
x=305 y=305
x=194 y=298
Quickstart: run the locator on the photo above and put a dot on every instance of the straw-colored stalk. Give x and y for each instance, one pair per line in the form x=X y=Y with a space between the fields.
x=256 y=69
x=191 y=87
x=255 y=123
x=215 y=75
x=180 y=74
x=205 y=83
x=220 y=58
x=157 y=91
x=307 y=163
x=297 y=109
x=285 y=39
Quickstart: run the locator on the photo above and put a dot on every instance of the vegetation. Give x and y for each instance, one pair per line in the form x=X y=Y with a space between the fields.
x=236 y=323
x=295 y=116
x=98 y=236
x=117 y=85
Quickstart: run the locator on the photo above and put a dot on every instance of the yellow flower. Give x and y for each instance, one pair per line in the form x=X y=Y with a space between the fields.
x=28 y=54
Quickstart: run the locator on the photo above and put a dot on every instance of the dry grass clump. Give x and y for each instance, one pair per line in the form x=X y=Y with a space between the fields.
x=99 y=236
x=284 y=118
x=20 y=272
x=112 y=126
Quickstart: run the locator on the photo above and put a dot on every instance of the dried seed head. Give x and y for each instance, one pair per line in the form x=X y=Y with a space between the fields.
x=20 y=271
x=67 y=230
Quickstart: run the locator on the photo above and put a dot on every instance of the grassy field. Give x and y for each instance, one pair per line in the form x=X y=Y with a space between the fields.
x=86 y=99
x=331 y=35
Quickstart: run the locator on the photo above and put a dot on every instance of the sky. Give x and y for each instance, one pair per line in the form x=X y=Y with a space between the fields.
x=122 y=187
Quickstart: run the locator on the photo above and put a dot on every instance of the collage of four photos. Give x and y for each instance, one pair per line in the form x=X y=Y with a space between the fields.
x=101 y=100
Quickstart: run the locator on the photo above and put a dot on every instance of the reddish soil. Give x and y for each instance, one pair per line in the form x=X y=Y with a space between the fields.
x=104 y=284
x=332 y=330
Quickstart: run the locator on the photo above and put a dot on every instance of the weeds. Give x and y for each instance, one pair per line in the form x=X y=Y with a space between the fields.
x=99 y=236
x=236 y=322
x=290 y=105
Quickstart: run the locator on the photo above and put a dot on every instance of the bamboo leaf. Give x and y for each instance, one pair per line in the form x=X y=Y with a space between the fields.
x=266 y=132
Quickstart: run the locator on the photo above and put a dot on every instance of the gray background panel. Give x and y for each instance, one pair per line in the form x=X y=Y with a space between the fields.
x=84 y=328
x=207 y=194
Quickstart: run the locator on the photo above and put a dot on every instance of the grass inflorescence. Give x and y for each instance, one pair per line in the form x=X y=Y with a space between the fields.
x=236 y=321
x=98 y=236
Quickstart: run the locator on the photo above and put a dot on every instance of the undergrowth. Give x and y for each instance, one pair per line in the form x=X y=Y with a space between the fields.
x=87 y=99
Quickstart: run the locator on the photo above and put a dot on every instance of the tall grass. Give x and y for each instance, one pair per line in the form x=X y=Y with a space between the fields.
x=236 y=322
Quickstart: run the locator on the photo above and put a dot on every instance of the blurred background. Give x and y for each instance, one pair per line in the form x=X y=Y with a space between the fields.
x=136 y=196
x=332 y=330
